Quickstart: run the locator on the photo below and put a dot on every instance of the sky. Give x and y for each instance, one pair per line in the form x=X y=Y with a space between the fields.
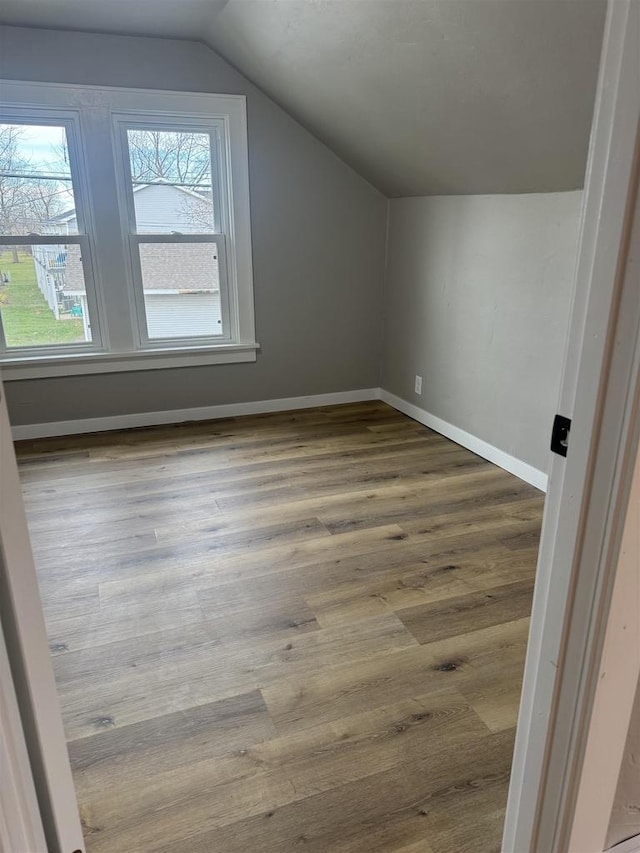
x=38 y=145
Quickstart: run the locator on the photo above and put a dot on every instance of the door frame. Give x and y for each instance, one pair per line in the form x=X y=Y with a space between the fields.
x=29 y=676
x=20 y=822
x=581 y=531
x=589 y=491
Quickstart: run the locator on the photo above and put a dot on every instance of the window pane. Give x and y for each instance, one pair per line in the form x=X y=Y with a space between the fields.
x=36 y=193
x=181 y=289
x=43 y=300
x=171 y=175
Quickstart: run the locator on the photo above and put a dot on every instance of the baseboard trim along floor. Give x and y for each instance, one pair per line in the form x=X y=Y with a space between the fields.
x=201 y=413
x=493 y=454
x=466 y=439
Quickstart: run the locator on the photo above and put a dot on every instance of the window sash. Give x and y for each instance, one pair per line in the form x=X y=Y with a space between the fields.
x=135 y=241
x=70 y=120
x=215 y=130
x=45 y=350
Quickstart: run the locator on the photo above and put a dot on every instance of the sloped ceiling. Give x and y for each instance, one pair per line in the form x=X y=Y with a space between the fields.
x=421 y=97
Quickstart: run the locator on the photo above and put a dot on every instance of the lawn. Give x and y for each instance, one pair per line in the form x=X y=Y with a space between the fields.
x=26 y=318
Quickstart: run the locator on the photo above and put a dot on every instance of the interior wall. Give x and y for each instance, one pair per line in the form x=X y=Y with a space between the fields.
x=318 y=243
x=477 y=302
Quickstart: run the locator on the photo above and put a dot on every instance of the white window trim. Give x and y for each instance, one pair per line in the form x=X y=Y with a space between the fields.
x=70 y=120
x=70 y=364
x=117 y=344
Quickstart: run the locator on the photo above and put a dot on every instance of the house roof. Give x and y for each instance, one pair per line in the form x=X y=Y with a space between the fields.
x=179 y=266
x=166 y=267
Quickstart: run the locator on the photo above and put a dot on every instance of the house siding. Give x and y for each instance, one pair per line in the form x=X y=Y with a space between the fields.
x=161 y=208
x=183 y=315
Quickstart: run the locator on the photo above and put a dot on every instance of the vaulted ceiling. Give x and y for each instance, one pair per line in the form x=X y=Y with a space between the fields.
x=419 y=96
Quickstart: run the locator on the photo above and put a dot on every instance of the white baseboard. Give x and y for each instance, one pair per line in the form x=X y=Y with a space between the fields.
x=230 y=410
x=515 y=466
x=631 y=845
x=202 y=413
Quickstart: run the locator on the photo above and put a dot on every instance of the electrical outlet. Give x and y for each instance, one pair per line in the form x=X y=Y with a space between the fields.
x=418 y=385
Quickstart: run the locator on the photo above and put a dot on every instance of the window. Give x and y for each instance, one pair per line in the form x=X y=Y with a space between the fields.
x=124 y=230
x=43 y=292
x=176 y=215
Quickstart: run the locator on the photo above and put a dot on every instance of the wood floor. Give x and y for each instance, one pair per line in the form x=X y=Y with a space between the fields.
x=283 y=633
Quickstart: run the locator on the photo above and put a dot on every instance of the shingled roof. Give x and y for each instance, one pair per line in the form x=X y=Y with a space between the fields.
x=183 y=267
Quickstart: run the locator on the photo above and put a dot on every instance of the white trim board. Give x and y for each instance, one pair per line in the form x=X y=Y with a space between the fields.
x=231 y=410
x=202 y=413
x=20 y=824
x=504 y=460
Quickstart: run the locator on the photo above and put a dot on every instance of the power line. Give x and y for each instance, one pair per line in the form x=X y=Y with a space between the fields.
x=43 y=176
x=34 y=175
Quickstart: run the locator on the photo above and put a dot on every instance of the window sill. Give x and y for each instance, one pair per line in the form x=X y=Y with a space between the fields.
x=33 y=367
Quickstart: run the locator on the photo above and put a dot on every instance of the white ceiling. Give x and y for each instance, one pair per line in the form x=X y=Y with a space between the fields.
x=419 y=96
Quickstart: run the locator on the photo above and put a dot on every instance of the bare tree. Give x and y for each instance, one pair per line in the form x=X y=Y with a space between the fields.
x=198 y=211
x=27 y=201
x=178 y=157
x=11 y=194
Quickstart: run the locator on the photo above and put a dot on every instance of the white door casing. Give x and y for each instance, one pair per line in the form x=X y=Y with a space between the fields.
x=23 y=624
x=579 y=535
x=20 y=822
x=607 y=725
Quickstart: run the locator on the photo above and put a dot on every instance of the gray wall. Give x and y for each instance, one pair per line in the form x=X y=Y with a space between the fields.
x=477 y=302
x=318 y=243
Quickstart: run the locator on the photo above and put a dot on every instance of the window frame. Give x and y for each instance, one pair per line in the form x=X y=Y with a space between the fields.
x=216 y=130
x=70 y=120
x=119 y=343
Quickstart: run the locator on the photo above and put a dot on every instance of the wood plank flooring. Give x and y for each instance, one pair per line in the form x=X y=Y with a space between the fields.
x=298 y=631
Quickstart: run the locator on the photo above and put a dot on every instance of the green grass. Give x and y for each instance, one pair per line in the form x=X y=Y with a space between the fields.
x=26 y=318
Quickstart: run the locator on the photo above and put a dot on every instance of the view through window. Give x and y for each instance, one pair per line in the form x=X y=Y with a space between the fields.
x=42 y=288
x=173 y=193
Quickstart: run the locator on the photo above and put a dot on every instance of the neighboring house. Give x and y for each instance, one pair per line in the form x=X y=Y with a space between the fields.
x=50 y=263
x=181 y=282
